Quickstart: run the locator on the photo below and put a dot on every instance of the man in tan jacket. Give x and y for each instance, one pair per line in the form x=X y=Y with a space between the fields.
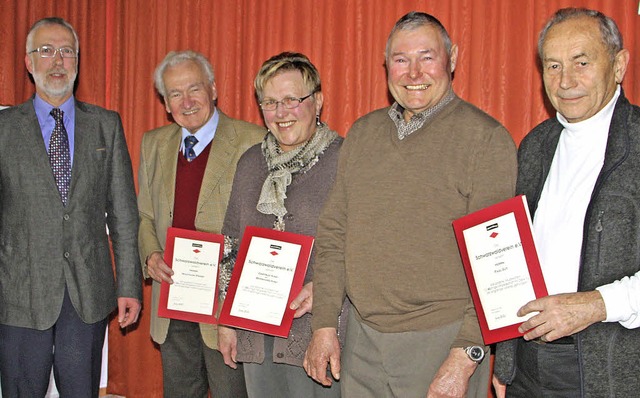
x=185 y=177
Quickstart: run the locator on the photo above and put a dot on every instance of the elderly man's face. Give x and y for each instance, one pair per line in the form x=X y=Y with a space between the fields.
x=419 y=68
x=54 y=77
x=579 y=75
x=189 y=95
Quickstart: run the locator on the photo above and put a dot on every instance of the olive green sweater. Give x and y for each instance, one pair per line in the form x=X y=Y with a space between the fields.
x=385 y=237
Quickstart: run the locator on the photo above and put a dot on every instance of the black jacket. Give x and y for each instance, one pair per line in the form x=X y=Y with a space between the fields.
x=609 y=354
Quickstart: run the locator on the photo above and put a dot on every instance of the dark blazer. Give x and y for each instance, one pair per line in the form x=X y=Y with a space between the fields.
x=156 y=178
x=45 y=246
x=607 y=351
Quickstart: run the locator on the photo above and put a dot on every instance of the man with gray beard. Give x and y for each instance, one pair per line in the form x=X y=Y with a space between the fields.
x=65 y=175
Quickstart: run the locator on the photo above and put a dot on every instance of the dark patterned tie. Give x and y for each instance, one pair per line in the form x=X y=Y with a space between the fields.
x=189 y=143
x=59 y=156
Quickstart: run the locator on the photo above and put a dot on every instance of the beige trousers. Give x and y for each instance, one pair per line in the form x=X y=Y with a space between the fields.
x=399 y=365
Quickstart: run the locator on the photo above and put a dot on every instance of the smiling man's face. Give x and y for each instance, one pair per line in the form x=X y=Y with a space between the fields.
x=419 y=68
x=54 y=77
x=580 y=75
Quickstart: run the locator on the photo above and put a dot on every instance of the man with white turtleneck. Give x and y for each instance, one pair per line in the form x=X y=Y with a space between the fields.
x=579 y=171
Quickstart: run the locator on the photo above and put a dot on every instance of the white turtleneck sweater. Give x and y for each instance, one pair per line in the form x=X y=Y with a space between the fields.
x=559 y=219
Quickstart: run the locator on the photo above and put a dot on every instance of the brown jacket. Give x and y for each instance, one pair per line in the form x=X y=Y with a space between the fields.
x=156 y=179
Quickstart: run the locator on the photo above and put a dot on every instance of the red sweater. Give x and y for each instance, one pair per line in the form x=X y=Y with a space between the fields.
x=188 y=182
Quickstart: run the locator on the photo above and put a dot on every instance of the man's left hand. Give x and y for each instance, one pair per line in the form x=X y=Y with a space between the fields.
x=452 y=379
x=128 y=311
x=562 y=315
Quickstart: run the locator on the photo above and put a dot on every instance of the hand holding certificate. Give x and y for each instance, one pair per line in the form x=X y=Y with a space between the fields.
x=269 y=273
x=501 y=264
x=194 y=258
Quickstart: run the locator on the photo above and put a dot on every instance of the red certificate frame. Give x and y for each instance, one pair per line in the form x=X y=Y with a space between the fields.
x=518 y=206
x=306 y=245
x=163 y=311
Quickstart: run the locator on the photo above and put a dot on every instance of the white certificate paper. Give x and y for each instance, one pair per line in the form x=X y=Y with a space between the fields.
x=195 y=267
x=266 y=280
x=500 y=270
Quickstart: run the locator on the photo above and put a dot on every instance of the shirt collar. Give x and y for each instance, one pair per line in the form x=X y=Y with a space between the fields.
x=419 y=119
x=603 y=116
x=43 y=109
x=204 y=135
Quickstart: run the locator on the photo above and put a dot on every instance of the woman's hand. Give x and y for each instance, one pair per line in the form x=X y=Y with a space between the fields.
x=303 y=303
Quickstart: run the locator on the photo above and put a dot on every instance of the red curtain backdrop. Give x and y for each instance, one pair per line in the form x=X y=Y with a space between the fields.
x=121 y=42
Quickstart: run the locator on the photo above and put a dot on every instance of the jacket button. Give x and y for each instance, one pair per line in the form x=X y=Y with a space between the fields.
x=66 y=254
x=280 y=355
x=66 y=217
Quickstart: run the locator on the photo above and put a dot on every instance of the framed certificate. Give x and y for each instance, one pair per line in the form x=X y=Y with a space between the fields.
x=194 y=257
x=269 y=273
x=501 y=264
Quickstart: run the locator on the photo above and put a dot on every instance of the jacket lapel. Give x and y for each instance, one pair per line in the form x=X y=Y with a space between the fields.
x=168 y=151
x=618 y=142
x=87 y=132
x=222 y=148
x=29 y=128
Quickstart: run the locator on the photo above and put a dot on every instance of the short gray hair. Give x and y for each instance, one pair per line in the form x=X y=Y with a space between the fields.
x=415 y=20
x=174 y=58
x=51 y=21
x=609 y=31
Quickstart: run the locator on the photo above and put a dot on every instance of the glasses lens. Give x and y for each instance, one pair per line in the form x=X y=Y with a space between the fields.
x=67 y=52
x=268 y=105
x=291 y=103
x=47 y=52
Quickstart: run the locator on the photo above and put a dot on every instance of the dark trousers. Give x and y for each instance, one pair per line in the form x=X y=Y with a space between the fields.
x=72 y=347
x=191 y=369
x=545 y=370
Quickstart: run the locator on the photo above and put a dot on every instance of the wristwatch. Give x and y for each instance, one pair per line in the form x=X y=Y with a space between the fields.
x=475 y=353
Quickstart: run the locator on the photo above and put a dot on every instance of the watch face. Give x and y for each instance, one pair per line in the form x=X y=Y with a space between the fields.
x=476 y=353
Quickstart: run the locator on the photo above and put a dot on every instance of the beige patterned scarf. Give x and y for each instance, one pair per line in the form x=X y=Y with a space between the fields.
x=283 y=165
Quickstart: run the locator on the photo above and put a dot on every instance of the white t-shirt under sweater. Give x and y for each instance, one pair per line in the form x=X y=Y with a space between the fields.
x=559 y=219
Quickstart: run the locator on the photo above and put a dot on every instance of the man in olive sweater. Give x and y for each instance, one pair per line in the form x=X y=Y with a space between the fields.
x=385 y=237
